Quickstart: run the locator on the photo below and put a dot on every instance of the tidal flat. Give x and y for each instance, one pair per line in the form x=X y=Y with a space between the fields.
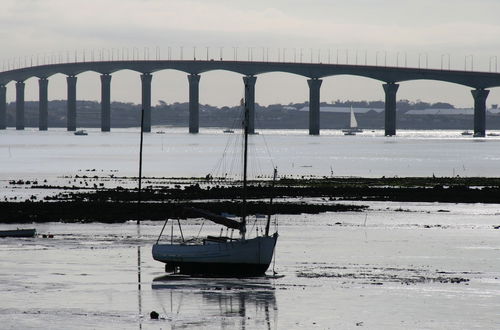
x=378 y=269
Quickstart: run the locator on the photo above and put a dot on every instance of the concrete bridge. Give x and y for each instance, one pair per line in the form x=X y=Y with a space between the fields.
x=390 y=76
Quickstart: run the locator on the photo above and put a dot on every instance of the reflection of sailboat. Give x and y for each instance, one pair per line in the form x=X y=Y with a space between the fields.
x=228 y=301
x=353 y=125
x=222 y=256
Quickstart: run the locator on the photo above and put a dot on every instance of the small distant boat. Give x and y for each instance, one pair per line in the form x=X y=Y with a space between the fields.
x=466 y=133
x=18 y=233
x=81 y=132
x=228 y=131
x=493 y=134
x=353 y=126
x=160 y=132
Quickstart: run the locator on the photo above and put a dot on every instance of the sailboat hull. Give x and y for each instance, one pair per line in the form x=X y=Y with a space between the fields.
x=242 y=258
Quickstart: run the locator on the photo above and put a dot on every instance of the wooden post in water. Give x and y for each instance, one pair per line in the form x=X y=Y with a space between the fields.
x=275 y=174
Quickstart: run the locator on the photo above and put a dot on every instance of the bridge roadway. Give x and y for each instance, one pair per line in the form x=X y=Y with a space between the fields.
x=390 y=76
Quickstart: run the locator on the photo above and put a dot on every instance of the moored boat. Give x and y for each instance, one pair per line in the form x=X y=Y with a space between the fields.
x=18 y=233
x=219 y=255
x=353 y=125
x=81 y=132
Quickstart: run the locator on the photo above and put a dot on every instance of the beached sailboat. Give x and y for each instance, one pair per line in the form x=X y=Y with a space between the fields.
x=221 y=255
x=353 y=125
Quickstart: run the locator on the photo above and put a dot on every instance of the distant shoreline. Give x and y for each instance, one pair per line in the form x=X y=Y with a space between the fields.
x=334 y=115
x=292 y=196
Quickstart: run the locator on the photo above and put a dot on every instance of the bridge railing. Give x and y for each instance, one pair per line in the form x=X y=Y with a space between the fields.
x=256 y=54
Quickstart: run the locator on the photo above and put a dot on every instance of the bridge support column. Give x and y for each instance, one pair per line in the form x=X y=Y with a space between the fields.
x=3 y=107
x=146 y=100
x=480 y=96
x=314 y=100
x=71 y=111
x=249 y=82
x=20 y=105
x=105 y=102
x=43 y=111
x=194 y=103
x=391 y=90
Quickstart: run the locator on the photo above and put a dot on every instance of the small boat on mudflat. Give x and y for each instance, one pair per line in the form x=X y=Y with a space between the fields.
x=18 y=233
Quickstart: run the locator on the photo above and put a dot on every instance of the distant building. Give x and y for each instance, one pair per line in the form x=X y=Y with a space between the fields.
x=448 y=112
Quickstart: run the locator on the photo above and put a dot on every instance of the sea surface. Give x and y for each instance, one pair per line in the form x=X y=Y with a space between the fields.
x=395 y=265
x=176 y=153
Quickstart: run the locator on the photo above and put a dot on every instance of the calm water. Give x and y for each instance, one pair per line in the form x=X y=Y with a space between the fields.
x=177 y=153
x=397 y=265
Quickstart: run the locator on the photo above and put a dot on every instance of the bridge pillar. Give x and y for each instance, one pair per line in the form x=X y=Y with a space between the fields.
x=480 y=96
x=3 y=107
x=314 y=100
x=194 y=103
x=146 y=100
x=390 y=108
x=71 y=111
x=43 y=111
x=105 y=102
x=250 y=101
x=20 y=105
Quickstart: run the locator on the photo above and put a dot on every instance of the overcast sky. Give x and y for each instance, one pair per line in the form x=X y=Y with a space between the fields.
x=385 y=27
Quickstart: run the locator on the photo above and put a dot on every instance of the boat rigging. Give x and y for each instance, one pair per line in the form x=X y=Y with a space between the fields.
x=222 y=256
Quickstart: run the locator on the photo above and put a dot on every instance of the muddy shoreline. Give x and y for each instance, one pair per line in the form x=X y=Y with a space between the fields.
x=89 y=200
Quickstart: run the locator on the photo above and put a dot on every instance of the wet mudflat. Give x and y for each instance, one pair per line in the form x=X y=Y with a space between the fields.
x=411 y=265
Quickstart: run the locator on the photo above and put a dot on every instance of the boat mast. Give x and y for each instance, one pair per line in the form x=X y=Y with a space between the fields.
x=243 y=228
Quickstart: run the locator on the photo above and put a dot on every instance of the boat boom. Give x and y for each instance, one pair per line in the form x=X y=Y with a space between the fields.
x=229 y=223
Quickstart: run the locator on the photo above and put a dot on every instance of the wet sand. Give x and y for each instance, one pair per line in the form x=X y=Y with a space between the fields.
x=379 y=269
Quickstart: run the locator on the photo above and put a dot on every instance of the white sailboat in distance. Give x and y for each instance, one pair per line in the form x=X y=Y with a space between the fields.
x=220 y=255
x=353 y=125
